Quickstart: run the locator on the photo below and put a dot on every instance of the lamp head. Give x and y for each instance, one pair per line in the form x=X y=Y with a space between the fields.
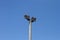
x=33 y=19
x=27 y=17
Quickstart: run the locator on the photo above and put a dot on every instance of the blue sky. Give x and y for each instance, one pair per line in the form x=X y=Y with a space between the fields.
x=13 y=26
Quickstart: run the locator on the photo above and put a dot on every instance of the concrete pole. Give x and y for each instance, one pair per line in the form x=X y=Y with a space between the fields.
x=30 y=30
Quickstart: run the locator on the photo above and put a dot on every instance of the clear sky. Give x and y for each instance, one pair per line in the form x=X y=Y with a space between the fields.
x=13 y=26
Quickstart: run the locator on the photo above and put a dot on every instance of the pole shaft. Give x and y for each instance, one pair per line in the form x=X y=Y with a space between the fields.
x=30 y=30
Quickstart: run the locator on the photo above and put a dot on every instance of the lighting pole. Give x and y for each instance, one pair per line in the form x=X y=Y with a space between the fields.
x=31 y=20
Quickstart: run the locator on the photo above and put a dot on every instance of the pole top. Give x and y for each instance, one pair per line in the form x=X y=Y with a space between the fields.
x=28 y=18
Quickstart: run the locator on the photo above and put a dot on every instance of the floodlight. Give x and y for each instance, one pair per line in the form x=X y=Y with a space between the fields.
x=33 y=19
x=27 y=17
